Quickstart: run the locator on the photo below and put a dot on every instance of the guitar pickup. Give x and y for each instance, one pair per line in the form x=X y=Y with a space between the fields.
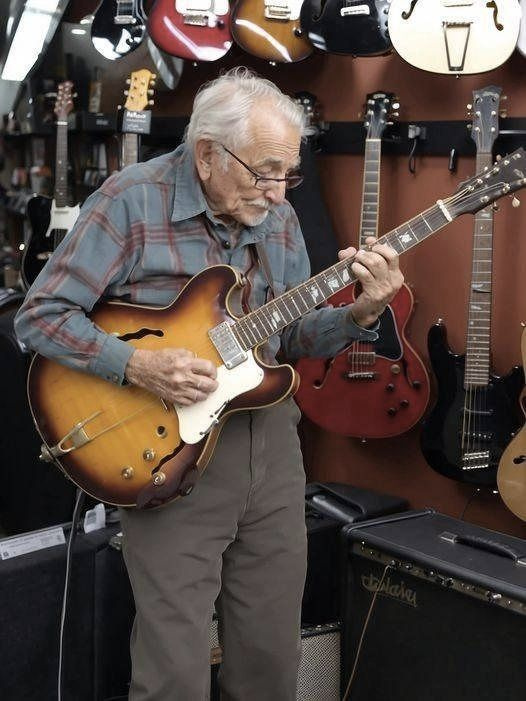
x=125 y=19
x=355 y=10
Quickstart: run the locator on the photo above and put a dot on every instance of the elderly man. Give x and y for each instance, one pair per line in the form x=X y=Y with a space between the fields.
x=238 y=540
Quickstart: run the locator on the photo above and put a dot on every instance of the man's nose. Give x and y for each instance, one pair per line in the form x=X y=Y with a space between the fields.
x=275 y=192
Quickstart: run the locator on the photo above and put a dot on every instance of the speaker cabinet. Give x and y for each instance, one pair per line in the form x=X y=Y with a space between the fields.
x=439 y=606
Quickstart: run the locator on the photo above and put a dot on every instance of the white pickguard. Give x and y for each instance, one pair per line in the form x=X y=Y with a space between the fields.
x=463 y=26
x=62 y=218
x=196 y=420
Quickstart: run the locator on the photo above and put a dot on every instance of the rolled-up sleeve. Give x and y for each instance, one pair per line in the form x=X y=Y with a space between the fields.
x=52 y=320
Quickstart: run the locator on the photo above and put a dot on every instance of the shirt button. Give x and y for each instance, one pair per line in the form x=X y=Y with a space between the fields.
x=225 y=243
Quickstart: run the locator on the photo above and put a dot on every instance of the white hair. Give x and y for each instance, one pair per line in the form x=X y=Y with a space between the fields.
x=222 y=106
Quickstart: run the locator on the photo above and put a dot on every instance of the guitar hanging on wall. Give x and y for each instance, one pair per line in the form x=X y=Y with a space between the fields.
x=135 y=119
x=51 y=219
x=476 y=412
x=347 y=26
x=127 y=446
x=118 y=27
x=511 y=473
x=198 y=30
x=374 y=389
x=271 y=30
x=454 y=36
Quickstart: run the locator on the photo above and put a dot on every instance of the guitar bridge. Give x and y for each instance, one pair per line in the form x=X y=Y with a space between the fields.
x=200 y=19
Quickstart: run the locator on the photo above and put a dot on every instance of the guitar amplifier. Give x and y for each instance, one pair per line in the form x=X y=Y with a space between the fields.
x=434 y=608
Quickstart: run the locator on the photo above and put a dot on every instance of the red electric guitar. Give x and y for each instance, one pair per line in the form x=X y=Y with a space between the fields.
x=369 y=390
x=198 y=30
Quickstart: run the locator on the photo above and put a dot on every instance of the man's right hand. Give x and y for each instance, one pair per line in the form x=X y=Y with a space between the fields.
x=175 y=374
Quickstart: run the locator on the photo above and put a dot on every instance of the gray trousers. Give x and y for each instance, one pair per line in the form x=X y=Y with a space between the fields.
x=238 y=540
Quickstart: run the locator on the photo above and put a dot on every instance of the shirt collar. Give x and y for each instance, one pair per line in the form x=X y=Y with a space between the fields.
x=189 y=200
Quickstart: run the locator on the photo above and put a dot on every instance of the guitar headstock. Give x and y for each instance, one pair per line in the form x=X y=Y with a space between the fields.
x=505 y=177
x=64 y=100
x=140 y=92
x=311 y=107
x=380 y=110
x=485 y=117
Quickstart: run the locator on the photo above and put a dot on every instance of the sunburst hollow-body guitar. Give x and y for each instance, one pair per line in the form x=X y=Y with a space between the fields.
x=127 y=446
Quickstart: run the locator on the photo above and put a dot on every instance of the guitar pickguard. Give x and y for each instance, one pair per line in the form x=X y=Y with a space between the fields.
x=389 y=344
x=196 y=420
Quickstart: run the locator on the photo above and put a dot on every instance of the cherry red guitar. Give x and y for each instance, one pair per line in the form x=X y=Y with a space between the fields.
x=198 y=30
x=369 y=390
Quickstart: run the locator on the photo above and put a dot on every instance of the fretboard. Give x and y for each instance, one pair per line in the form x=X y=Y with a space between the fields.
x=130 y=149
x=371 y=190
x=261 y=324
x=479 y=315
x=61 y=165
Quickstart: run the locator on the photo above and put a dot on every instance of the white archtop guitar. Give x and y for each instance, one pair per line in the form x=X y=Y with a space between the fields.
x=454 y=36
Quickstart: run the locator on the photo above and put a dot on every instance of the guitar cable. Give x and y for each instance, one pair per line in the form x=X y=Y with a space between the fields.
x=362 y=635
x=71 y=539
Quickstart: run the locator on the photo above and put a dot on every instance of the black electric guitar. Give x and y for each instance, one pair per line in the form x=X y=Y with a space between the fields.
x=356 y=27
x=118 y=27
x=476 y=412
x=51 y=219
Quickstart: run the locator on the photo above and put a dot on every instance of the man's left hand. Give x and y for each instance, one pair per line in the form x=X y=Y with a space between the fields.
x=378 y=272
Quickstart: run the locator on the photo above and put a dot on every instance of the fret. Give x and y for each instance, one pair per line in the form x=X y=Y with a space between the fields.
x=61 y=166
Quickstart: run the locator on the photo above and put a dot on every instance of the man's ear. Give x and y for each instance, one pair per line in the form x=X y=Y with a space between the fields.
x=203 y=154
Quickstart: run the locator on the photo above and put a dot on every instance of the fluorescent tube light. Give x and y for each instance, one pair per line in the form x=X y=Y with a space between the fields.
x=29 y=38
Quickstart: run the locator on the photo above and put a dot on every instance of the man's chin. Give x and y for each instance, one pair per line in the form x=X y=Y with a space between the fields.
x=255 y=218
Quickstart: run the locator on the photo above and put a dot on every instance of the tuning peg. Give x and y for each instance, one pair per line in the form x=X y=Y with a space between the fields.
x=515 y=202
x=503 y=98
x=469 y=106
x=495 y=207
x=395 y=114
x=498 y=157
x=150 y=92
x=503 y=113
x=151 y=102
x=389 y=124
x=396 y=105
x=128 y=81
x=154 y=76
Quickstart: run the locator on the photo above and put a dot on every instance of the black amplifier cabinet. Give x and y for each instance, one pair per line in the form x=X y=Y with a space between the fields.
x=449 y=618
x=328 y=506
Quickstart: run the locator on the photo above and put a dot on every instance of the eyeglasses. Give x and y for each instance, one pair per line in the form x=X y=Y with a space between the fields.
x=262 y=182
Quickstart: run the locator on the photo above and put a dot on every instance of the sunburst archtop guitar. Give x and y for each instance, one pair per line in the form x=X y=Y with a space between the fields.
x=126 y=446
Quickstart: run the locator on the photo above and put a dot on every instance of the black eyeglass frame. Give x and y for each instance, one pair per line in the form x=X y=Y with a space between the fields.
x=291 y=181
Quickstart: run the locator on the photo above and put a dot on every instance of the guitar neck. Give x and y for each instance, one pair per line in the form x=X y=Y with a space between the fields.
x=129 y=149
x=261 y=324
x=371 y=190
x=61 y=165
x=479 y=315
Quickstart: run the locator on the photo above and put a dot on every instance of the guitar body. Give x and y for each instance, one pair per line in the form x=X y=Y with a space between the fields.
x=116 y=39
x=342 y=27
x=192 y=30
x=271 y=32
x=382 y=396
x=454 y=36
x=511 y=474
x=127 y=435
x=465 y=434
x=49 y=224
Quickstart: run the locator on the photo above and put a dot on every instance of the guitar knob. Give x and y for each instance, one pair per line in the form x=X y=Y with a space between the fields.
x=390 y=387
x=220 y=24
x=298 y=32
x=395 y=369
x=404 y=403
x=417 y=384
x=392 y=410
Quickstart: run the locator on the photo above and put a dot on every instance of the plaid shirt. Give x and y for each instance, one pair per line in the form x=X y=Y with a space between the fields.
x=139 y=239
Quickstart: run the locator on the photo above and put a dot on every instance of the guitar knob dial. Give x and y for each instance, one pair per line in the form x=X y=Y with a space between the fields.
x=404 y=403
x=392 y=410
x=390 y=387
x=417 y=384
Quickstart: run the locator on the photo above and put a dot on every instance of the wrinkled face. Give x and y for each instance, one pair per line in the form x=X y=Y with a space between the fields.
x=272 y=151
